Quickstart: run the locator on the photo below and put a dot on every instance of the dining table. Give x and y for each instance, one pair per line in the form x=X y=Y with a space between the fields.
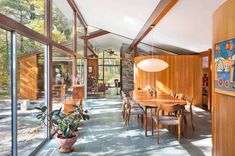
x=147 y=101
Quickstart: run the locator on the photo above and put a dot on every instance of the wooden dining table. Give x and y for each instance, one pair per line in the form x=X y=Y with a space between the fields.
x=143 y=98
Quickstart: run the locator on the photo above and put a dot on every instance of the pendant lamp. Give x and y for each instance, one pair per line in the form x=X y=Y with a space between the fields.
x=152 y=64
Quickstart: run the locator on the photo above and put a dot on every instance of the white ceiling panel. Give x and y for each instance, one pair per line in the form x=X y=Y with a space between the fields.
x=109 y=41
x=123 y=17
x=187 y=25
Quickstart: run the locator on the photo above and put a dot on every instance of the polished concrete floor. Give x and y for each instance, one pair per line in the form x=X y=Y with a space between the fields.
x=104 y=134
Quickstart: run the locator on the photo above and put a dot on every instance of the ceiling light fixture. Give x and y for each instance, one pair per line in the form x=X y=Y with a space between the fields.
x=152 y=64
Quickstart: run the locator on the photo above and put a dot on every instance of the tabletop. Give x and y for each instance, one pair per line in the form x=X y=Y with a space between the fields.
x=142 y=97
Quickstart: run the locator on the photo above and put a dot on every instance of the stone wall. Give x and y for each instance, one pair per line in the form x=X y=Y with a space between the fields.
x=127 y=69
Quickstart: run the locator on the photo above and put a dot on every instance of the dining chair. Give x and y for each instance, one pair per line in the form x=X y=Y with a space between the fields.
x=123 y=94
x=173 y=93
x=188 y=110
x=168 y=119
x=131 y=110
x=180 y=96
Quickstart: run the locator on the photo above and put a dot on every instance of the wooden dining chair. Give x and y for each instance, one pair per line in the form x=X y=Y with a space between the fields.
x=173 y=93
x=188 y=110
x=130 y=110
x=123 y=94
x=173 y=120
x=180 y=96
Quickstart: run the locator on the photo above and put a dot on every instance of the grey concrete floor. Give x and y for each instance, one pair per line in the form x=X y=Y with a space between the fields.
x=104 y=134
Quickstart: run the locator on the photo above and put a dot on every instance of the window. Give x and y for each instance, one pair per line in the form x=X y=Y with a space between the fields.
x=62 y=23
x=62 y=76
x=80 y=42
x=30 y=93
x=28 y=12
x=5 y=93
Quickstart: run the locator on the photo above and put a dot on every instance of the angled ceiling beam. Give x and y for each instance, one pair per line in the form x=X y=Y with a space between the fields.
x=95 y=34
x=159 y=12
x=89 y=46
x=79 y=15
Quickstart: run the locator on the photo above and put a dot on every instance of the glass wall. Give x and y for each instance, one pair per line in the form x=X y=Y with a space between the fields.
x=30 y=93
x=30 y=70
x=80 y=71
x=109 y=67
x=30 y=13
x=5 y=94
x=62 y=23
x=62 y=77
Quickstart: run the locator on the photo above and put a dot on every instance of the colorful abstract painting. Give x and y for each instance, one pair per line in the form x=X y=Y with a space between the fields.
x=224 y=56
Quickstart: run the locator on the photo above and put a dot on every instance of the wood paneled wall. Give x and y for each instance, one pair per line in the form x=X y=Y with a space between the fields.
x=28 y=72
x=223 y=106
x=183 y=75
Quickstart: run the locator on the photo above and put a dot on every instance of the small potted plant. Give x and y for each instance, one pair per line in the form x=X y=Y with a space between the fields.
x=64 y=125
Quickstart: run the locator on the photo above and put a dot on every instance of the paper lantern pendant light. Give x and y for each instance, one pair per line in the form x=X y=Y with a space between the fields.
x=152 y=65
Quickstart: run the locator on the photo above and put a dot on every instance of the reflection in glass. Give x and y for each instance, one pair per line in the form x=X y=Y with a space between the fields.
x=62 y=76
x=62 y=23
x=30 y=93
x=5 y=94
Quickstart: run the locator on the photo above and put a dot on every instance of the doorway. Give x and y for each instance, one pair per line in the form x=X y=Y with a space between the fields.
x=206 y=80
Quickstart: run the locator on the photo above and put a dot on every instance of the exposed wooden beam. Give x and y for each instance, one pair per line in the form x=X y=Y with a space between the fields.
x=11 y=25
x=95 y=34
x=89 y=46
x=79 y=15
x=159 y=12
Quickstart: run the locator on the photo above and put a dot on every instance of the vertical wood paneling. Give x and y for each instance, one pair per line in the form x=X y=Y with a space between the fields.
x=223 y=106
x=28 y=77
x=183 y=75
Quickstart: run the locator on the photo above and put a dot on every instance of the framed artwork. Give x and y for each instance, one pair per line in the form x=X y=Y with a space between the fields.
x=90 y=69
x=224 y=57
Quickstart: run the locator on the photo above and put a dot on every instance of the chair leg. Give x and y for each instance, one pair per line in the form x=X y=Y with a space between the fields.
x=152 y=126
x=179 y=132
x=191 y=113
x=179 y=128
x=157 y=133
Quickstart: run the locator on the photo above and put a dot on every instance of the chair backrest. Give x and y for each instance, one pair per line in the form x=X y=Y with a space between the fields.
x=189 y=100
x=180 y=96
x=130 y=93
x=173 y=93
x=169 y=108
x=127 y=104
x=123 y=94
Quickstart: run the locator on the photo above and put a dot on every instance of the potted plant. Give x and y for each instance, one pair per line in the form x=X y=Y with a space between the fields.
x=64 y=125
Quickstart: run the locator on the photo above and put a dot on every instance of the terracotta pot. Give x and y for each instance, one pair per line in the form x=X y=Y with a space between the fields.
x=66 y=144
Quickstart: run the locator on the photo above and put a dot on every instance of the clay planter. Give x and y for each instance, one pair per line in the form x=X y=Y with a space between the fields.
x=66 y=144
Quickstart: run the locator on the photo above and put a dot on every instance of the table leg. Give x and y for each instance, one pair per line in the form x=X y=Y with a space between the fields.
x=145 y=121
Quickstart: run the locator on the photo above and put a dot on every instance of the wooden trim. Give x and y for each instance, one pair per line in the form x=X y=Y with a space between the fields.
x=48 y=18
x=159 y=12
x=224 y=92
x=11 y=25
x=95 y=34
x=75 y=31
x=208 y=54
x=79 y=15
x=85 y=43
